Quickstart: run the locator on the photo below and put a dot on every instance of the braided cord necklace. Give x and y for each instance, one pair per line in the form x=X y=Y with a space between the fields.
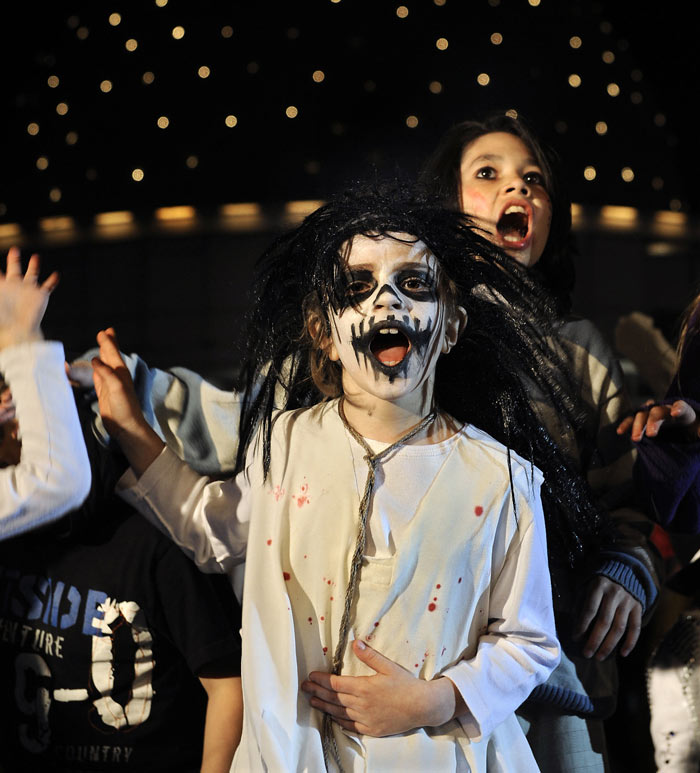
x=330 y=748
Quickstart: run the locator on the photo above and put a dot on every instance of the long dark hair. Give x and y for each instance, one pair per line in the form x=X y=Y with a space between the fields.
x=441 y=176
x=488 y=379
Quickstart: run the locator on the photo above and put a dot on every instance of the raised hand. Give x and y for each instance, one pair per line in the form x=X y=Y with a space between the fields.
x=651 y=418
x=23 y=300
x=119 y=406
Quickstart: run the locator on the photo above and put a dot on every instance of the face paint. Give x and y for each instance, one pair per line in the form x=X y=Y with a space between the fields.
x=388 y=331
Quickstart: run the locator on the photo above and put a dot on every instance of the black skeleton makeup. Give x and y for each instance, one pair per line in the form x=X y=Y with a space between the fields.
x=387 y=335
x=505 y=352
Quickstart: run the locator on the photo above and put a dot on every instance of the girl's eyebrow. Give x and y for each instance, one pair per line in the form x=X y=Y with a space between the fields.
x=495 y=157
x=412 y=265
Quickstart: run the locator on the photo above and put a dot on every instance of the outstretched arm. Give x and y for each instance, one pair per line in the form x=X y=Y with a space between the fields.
x=48 y=473
x=200 y=515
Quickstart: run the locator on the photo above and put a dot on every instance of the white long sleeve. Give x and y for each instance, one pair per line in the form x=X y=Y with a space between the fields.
x=519 y=649
x=53 y=475
x=204 y=517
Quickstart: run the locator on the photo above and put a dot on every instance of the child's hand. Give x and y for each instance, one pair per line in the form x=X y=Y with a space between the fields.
x=79 y=374
x=650 y=419
x=23 y=300
x=392 y=701
x=7 y=406
x=614 y=613
x=119 y=406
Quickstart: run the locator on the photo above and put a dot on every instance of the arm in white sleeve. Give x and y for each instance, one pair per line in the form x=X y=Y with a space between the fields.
x=53 y=475
x=196 y=419
x=519 y=650
x=207 y=519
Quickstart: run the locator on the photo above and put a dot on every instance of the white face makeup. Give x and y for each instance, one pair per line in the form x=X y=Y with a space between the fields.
x=391 y=330
x=502 y=188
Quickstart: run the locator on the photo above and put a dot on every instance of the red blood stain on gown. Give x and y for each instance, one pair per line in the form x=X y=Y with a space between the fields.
x=478 y=510
x=303 y=497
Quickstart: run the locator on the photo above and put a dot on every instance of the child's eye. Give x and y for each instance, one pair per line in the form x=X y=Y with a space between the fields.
x=357 y=288
x=533 y=178
x=486 y=173
x=415 y=284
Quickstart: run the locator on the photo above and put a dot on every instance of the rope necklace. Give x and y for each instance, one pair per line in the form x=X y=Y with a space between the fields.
x=330 y=748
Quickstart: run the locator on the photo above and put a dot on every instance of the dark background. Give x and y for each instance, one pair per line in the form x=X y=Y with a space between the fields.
x=177 y=294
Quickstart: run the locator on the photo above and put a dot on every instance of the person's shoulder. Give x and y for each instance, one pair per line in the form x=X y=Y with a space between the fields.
x=589 y=351
x=586 y=334
x=314 y=417
x=480 y=442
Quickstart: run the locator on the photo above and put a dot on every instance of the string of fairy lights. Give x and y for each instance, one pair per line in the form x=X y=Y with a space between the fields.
x=159 y=110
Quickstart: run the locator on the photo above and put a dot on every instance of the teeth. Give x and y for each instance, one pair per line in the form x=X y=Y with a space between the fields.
x=509 y=238
x=515 y=209
x=391 y=363
x=388 y=331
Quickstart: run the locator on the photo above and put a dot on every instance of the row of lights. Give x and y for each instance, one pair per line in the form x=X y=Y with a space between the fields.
x=247 y=216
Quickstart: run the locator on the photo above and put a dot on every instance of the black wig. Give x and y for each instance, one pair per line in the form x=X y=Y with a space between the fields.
x=441 y=176
x=503 y=364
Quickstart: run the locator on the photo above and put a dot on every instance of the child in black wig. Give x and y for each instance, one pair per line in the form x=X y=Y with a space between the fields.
x=375 y=507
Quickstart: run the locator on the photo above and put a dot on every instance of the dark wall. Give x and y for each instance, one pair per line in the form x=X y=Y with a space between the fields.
x=176 y=300
x=180 y=299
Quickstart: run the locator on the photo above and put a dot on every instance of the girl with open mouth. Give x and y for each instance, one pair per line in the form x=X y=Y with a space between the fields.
x=397 y=605
x=498 y=172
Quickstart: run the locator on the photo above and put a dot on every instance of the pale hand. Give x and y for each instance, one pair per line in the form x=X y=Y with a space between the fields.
x=389 y=702
x=649 y=421
x=23 y=300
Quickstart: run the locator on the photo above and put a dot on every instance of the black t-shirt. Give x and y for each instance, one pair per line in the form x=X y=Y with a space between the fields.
x=103 y=624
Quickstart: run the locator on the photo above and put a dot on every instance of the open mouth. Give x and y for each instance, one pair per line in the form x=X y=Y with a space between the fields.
x=390 y=346
x=514 y=224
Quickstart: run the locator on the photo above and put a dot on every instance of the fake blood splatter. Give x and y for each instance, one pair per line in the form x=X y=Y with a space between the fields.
x=286 y=576
x=277 y=492
x=433 y=604
x=269 y=542
x=303 y=497
x=478 y=510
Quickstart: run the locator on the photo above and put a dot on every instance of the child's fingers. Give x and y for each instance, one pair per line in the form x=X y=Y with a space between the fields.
x=625 y=425
x=14 y=264
x=79 y=373
x=638 y=424
x=31 y=275
x=6 y=414
x=100 y=369
x=109 y=348
x=49 y=284
x=682 y=412
x=633 y=631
